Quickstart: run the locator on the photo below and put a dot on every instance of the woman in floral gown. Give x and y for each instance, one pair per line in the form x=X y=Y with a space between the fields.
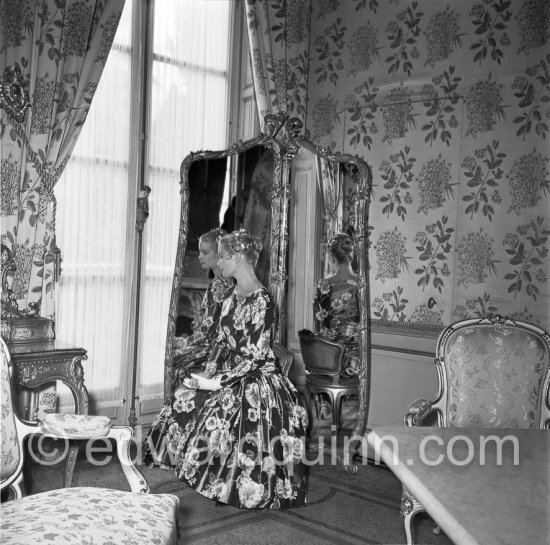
x=336 y=309
x=192 y=353
x=336 y=304
x=244 y=446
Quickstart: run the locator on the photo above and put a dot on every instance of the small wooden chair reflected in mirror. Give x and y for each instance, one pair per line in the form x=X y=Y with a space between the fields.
x=493 y=373
x=323 y=362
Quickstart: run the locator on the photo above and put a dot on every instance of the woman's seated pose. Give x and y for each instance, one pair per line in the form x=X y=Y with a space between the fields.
x=336 y=307
x=244 y=445
x=192 y=353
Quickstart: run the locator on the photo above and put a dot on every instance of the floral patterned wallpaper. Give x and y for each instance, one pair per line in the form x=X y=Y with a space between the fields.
x=449 y=104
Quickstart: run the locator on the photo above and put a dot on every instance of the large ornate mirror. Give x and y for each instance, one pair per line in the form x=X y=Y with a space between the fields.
x=335 y=201
x=243 y=186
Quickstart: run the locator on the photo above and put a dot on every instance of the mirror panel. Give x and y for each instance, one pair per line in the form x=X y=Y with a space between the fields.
x=248 y=178
x=342 y=195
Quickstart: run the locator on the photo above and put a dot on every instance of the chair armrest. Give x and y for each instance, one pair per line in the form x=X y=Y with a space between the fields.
x=123 y=436
x=90 y=428
x=418 y=410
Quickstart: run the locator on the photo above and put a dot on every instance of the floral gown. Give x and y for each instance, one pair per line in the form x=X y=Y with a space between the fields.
x=336 y=312
x=244 y=444
x=193 y=355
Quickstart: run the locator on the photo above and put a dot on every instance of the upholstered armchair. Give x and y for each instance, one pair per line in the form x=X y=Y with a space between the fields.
x=80 y=514
x=323 y=363
x=493 y=372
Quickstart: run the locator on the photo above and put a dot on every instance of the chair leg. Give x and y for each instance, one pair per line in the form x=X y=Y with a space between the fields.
x=70 y=463
x=410 y=507
x=335 y=402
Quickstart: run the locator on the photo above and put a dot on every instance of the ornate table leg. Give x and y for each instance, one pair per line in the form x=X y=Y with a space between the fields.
x=76 y=383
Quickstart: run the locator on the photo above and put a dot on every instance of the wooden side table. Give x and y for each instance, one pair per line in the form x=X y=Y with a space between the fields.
x=36 y=364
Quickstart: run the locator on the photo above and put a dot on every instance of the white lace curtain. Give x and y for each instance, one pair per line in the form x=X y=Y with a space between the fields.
x=187 y=108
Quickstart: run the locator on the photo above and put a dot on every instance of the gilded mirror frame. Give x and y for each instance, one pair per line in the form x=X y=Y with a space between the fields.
x=279 y=227
x=361 y=212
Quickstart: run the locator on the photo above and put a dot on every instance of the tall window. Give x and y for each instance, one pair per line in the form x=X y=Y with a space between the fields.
x=163 y=93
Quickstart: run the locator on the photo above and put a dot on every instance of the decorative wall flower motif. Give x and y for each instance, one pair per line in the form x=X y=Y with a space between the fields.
x=397 y=176
x=434 y=183
x=391 y=300
x=475 y=258
x=528 y=181
x=474 y=308
x=325 y=116
x=398 y=114
x=296 y=84
x=434 y=245
x=482 y=176
x=451 y=109
x=483 y=106
x=363 y=48
x=390 y=255
x=442 y=36
x=533 y=92
x=525 y=315
x=402 y=34
x=361 y=107
x=297 y=21
x=329 y=49
x=528 y=250
x=490 y=20
x=441 y=108
x=327 y=6
x=533 y=24
x=427 y=317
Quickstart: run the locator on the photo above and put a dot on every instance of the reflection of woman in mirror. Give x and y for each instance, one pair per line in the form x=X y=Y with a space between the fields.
x=244 y=445
x=336 y=303
x=191 y=353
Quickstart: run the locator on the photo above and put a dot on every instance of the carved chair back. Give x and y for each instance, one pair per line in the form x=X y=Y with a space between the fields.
x=493 y=373
x=11 y=448
x=321 y=356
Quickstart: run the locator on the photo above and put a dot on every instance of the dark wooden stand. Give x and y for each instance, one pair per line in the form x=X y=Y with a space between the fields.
x=36 y=364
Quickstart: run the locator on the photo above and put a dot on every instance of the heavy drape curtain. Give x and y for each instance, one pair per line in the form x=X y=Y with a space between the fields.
x=60 y=48
x=186 y=103
x=278 y=33
x=331 y=188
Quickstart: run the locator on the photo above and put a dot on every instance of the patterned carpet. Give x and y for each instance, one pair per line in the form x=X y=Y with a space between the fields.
x=343 y=508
